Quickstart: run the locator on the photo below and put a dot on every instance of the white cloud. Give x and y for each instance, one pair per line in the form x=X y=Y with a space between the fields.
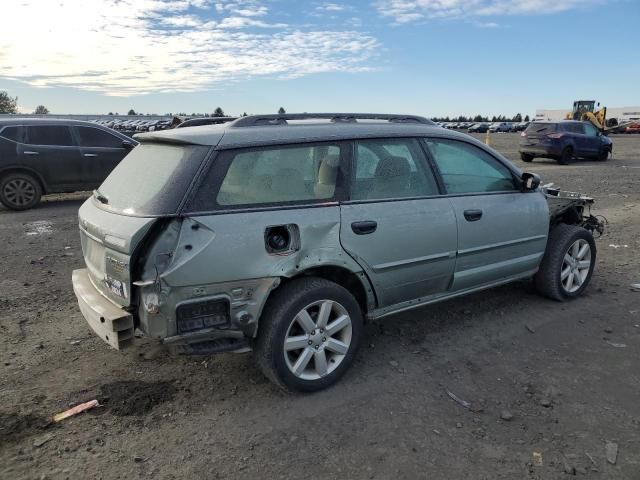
x=405 y=11
x=331 y=7
x=129 y=47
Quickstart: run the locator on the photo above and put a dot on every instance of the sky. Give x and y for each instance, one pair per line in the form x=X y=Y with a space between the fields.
x=425 y=57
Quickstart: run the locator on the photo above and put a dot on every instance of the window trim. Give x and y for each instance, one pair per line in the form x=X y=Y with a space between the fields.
x=510 y=168
x=218 y=165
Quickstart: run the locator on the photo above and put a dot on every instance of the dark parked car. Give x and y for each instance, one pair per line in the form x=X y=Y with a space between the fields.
x=39 y=156
x=563 y=141
x=479 y=128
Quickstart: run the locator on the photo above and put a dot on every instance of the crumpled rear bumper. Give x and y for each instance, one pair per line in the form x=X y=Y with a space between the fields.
x=110 y=322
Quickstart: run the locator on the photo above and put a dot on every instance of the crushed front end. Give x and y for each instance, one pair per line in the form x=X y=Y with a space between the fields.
x=574 y=209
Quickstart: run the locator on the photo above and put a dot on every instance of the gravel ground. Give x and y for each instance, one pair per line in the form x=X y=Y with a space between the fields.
x=552 y=386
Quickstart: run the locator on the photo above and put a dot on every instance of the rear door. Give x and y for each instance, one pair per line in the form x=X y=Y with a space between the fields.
x=54 y=150
x=502 y=232
x=101 y=152
x=396 y=224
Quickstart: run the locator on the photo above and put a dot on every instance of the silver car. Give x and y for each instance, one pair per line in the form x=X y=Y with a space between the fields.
x=283 y=234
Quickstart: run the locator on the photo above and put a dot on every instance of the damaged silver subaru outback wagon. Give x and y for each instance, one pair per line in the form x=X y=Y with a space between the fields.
x=282 y=233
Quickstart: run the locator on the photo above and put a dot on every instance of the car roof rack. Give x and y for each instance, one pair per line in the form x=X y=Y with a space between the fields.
x=282 y=119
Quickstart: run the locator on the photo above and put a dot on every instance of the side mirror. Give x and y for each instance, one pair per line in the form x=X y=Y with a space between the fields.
x=530 y=181
x=127 y=144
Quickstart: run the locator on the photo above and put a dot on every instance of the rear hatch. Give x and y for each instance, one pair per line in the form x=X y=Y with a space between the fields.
x=149 y=184
x=538 y=132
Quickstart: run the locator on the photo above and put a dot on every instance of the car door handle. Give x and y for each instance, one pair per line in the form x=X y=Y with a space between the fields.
x=29 y=152
x=473 y=215
x=90 y=154
x=364 y=228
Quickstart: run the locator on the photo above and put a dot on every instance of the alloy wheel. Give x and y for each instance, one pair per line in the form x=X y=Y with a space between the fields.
x=317 y=339
x=575 y=266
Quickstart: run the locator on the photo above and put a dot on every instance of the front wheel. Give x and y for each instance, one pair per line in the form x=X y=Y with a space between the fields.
x=603 y=156
x=308 y=334
x=526 y=157
x=568 y=263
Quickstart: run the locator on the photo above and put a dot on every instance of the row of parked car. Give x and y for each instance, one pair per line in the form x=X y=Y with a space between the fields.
x=134 y=126
x=484 y=127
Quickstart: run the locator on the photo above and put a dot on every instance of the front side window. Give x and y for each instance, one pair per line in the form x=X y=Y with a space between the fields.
x=56 y=135
x=590 y=130
x=94 y=137
x=391 y=168
x=280 y=175
x=466 y=168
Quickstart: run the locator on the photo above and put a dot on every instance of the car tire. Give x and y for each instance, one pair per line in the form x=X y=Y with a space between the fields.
x=315 y=357
x=20 y=191
x=526 y=157
x=567 y=264
x=566 y=156
x=603 y=156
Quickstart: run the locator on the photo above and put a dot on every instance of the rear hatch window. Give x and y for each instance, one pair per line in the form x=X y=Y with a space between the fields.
x=541 y=128
x=152 y=180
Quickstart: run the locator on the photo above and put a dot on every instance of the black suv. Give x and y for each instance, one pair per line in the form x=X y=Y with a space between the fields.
x=39 y=156
x=563 y=141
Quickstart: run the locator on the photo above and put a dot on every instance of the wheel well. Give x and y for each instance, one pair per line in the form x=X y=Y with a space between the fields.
x=10 y=170
x=344 y=278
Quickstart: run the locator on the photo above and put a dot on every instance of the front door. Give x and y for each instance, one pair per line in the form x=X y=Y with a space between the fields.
x=101 y=151
x=396 y=225
x=592 y=142
x=502 y=232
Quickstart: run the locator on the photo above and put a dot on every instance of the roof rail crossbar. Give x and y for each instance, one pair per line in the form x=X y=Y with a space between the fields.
x=282 y=119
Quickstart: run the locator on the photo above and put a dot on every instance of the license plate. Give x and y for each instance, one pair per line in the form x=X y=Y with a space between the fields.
x=117 y=287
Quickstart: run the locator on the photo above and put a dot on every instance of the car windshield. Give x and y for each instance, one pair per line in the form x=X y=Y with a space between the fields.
x=152 y=180
x=535 y=128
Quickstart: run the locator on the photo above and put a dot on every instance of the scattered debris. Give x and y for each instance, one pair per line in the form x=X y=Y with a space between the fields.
x=139 y=459
x=611 y=449
x=612 y=245
x=545 y=402
x=462 y=402
x=537 y=459
x=568 y=468
x=617 y=345
x=39 y=227
x=394 y=364
x=635 y=287
x=39 y=260
x=83 y=407
x=590 y=458
x=74 y=342
x=506 y=415
x=531 y=330
x=608 y=330
x=38 y=442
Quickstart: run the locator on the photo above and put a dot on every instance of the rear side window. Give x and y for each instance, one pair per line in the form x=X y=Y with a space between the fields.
x=468 y=169
x=94 y=137
x=541 y=128
x=573 y=128
x=391 y=168
x=56 y=135
x=17 y=133
x=280 y=175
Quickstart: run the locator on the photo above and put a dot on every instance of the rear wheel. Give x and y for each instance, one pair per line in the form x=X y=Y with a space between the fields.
x=308 y=335
x=20 y=191
x=526 y=157
x=568 y=262
x=566 y=156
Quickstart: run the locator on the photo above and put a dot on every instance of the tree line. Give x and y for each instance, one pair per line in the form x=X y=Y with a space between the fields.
x=9 y=104
x=482 y=118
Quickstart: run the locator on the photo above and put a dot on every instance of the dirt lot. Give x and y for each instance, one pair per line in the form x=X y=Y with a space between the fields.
x=566 y=373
